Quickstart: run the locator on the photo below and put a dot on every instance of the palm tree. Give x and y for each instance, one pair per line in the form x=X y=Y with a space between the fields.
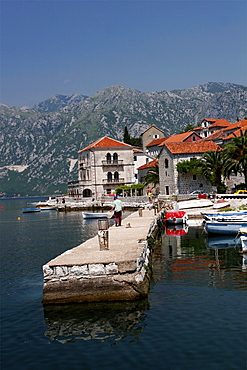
x=152 y=176
x=211 y=167
x=235 y=156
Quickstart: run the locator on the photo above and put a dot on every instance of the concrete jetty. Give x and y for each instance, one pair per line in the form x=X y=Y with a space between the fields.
x=87 y=273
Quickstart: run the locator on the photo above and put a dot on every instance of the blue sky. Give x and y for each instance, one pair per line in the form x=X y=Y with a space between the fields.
x=66 y=47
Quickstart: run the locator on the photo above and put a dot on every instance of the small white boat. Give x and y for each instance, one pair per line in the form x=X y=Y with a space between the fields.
x=221 y=203
x=96 y=214
x=48 y=208
x=30 y=210
x=176 y=217
x=195 y=203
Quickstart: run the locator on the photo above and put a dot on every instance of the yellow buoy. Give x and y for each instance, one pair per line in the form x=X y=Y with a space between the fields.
x=19 y=218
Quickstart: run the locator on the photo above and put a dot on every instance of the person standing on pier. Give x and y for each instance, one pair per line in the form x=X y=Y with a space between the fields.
x=118 y=208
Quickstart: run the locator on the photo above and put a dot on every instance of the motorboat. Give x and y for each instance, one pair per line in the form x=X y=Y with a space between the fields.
x=175 y=217
x=224 y=227
x=30 y=210
x=96 y=215
x=48 y=208
x=225 y=216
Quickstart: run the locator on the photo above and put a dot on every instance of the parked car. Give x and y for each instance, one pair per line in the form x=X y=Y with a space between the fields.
x=195 y=192
x=241 y=192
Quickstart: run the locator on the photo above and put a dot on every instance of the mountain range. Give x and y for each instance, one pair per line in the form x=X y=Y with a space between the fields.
x=42 y=142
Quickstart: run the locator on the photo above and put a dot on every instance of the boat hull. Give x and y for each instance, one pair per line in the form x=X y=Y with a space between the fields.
x=227 y=216
x=225 y=227
x=197 y=203
x=175 y=217
x=91 y=215
x=30 y=210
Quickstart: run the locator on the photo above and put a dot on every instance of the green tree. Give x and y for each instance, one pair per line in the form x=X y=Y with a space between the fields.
x=212 y=169
x=152 y=176
x=187 y=128
x=192 y=165
x=126 y=135
x=235 y=156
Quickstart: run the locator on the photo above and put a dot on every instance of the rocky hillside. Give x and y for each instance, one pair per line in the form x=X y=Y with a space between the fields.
x=43 y=141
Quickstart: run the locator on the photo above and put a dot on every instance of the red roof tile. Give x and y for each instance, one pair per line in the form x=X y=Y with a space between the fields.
x=153 y=163
x=192 y=148
x=106 y=142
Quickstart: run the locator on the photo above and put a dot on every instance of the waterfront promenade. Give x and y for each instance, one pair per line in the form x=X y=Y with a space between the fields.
x=89 y=273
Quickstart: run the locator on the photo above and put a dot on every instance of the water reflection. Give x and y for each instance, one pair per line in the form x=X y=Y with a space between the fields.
x=101 y=321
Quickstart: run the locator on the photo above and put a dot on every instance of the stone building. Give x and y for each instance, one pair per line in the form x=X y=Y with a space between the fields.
x=105 y=165
x=171 y=181
x=150 y=134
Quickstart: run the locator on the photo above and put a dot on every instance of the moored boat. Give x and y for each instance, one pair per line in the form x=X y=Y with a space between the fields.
x=48 y=208
x=195 y=203
x=224 y=227
x=30 y=210
x=225 y=216
x=176 y=217
x=96 y=214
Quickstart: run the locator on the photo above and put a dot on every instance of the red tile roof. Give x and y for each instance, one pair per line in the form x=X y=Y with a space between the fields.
x=236 y=133
x=192 y=148
x=157 y=141
x=153 y=163
x=218 y=122
x=218 y=134
x=236 y=125
x=180 y=137
x=106 y=142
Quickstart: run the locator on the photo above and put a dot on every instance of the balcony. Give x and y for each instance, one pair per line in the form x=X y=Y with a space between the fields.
x=113 y=181
x=112 y=163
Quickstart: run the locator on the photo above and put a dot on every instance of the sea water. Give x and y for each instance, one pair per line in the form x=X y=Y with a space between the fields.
x=193 y=318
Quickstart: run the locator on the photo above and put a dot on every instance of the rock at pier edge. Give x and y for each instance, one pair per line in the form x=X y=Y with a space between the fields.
x=122 y=272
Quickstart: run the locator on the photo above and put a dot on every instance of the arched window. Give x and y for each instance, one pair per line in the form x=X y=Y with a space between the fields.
x=109 y=176
x=108 y=158
x=115 y=157
x=166 y=163
x=116 y=176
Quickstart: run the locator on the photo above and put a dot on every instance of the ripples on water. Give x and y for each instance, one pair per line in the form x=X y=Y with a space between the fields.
x=194 y=317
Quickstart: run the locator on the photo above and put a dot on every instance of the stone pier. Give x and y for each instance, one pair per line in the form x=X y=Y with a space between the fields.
x=87 y=273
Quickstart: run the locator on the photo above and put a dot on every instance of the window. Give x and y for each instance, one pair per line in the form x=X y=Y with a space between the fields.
x=116 y=176
x=194 y=177
x=109 y=177
x=166 y=163
x=108 y=158
x=156 y=136
x=115 y=157
x=167 y=190
x=193 y=138
x=135 y=158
